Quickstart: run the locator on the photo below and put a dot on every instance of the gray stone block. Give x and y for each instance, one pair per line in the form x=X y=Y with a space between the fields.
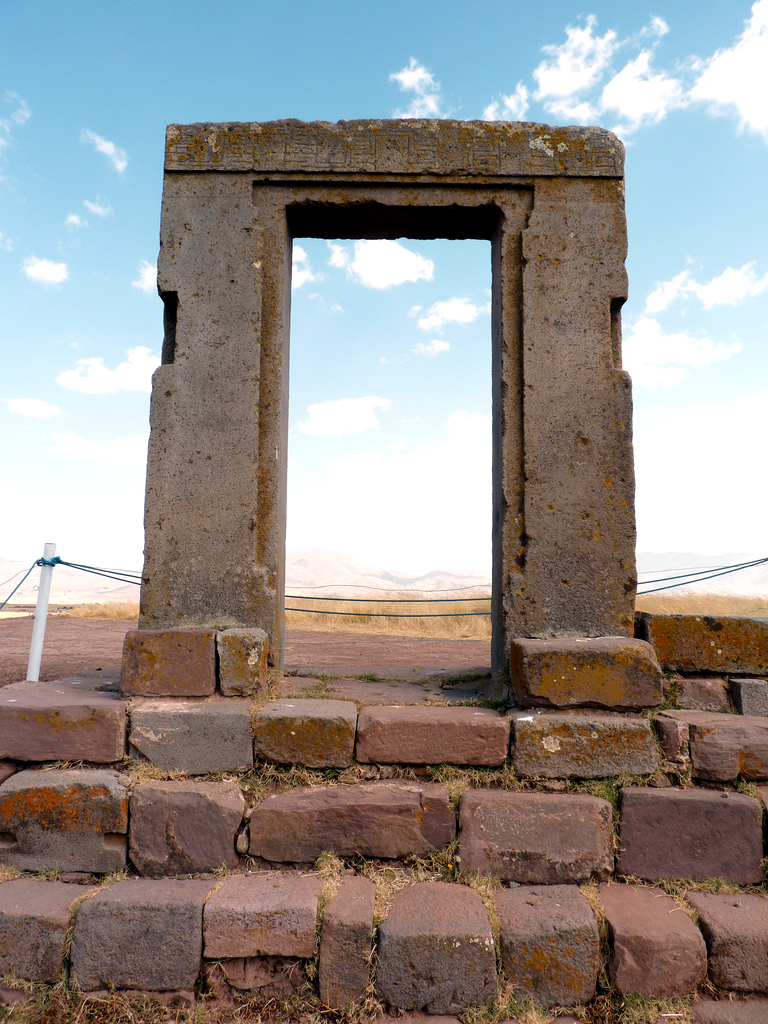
x=436 y=950
x=750 y=696
x=312 y=733
x=242 y=657
x=194 y=737
x=184 y=827
x=735 y=928
x=346 y=941
x=140 y=934
x=431 y=735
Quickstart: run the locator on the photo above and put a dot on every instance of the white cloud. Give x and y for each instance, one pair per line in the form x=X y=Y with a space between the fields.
x=146 y=279
x=430 y=348
x=736 y=78
x=36 y=408
x=301 y=272
x=344 y=416
x=125 y=451
x=573 y=68
x=74 y=220
x=45 y=271
x=727 y=289
x=116 y=156
x=655 y=359
x=511 y=108
x=99 y=208
x=665 y=293
x=641 y=95
x=17 y=117
x=381 y=263
x=5 y=243
x=93 y=378
x=460 y=311
x=427 y=99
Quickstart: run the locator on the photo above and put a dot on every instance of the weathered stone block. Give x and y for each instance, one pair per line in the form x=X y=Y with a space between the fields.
x=674 y=736
x=346 y=940
x=431 y=735
x=613 y=672
x=242 y=661
x=436 y=950
x=269 y=912
x=550 y=946
x=554 y=745
x=73 y=820
x=536 y=838
x=34 y=919
x=183 y=827
x=140 y=934
x=169 y=663
x=724 y=747
x=194 y=737
x=313 y=733
x=750 y=696
x=235 y=979
x=377 y=819
x=689 y=833
x=61 y=722
x=656 y=949
x=735 y=928
x=702 y=693
x=707 y=643
x=730 y=1011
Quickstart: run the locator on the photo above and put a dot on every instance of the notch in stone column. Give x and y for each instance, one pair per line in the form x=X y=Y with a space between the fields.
x=616 y=305
x=170 y=310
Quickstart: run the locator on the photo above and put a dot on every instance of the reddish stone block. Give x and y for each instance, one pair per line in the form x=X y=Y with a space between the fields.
x=233 y=980
x=702 y=693
x=735 y=928
x=377 y=819
x=269 y=912
x=346 y=941
x=61 y=722
x=432 y=735
x=656 y=949
x=674 y=735
x=436 y=950
x=169 y=663
x=312 y=733
x=689 y=833
x=707 y=643
x=613 y=672
x=729 y=1011
x=242 y=661
x=724 y=747
x=536 y=838
x=550 y=946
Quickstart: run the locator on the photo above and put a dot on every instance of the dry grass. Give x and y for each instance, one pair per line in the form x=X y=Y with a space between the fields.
x=102 y=610
x=702 y=604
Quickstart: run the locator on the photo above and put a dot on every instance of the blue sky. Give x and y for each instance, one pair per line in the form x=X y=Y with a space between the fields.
x=390 y=371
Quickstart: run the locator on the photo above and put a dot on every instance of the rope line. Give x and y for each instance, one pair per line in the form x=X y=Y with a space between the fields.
x=720 y=571
x=391 y=615
x=29 y=570
x=388 y=600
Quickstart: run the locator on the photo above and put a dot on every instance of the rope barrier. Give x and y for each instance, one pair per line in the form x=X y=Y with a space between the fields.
x=391 y=615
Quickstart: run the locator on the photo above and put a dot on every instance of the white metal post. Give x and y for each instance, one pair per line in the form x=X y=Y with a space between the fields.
x=41 y=614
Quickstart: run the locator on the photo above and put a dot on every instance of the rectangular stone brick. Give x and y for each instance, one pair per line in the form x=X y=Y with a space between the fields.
x=735 y=928
x=432 y=735
x=612 y=672
x=702 y=693
x=194 y=737
x=269 y=912
x=724 y=747
x=750 y=696
x=34 y=919
x=169 y=663
x=70 y=819
x=707 y=643
x=674 y=736
x=377 y=819
x=550 y=947
x=554 y=745
x=312 y=733
x=690 y=833
x=242 y=661
x=346 y=942
x=656 y=949
x=60 y=721
x=536 y=838
x=143 y=934
x=730 y=1011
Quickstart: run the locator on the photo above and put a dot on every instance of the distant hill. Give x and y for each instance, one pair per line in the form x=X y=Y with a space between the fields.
x=665 y=565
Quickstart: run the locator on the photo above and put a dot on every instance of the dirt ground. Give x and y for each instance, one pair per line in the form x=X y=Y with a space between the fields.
x=75 y=645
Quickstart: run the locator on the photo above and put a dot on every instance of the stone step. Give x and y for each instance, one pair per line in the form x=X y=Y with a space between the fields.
x=251 y=934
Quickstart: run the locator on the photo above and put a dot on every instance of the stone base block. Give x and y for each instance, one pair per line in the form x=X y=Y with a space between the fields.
x=702 y=693
x=140 y=934
x=61 y=722
x=346 y=940
x=724 y=747
x=269 y=977
x=612 y=672
x=183 y=827
x=436 y=950
x=242 y=661
x=553 y=745
x=312 y=733
x=194 y=737
x=169 y=663
x=72 y=820
x=750 y=696
x=736 y=932
x=550 y=946
x=34 y=919
x=707 y=643
x=536 y=838
x=432 y=735
x=730 y=1011
x=690 y=833
x=656 y=949
x=269 y=912
x=377 y=819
